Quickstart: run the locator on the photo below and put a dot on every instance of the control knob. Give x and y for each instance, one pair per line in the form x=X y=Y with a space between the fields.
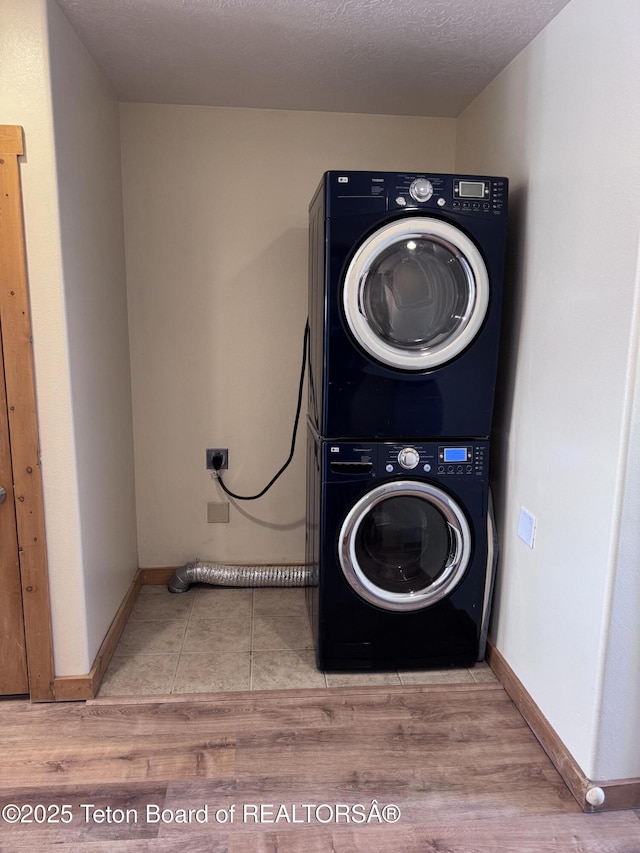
x=421 y=189
x=408 y=457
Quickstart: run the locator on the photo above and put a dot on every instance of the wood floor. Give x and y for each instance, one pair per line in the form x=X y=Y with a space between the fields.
x=424 y=769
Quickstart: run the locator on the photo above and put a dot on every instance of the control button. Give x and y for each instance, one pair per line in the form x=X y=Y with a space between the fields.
x=450 y=469
x=401 y=201
x=440 y=469
x=421 y=189
x=426 y=467
x=456 y=204
x=389 y=469
x=459 y=469
x=441 y=202
x=469 y=469
x=408 y=457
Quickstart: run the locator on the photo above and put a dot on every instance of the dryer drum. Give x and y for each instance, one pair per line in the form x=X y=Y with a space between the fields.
x=416 y=293
x=404 y=545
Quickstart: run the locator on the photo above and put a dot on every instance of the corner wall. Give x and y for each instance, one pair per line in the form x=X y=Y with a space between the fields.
x=216 y=207
x=563 y=122
x=87 y=141
x=73 y=233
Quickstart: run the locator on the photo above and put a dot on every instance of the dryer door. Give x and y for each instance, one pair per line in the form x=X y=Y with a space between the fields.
x=405 y=545
x=416 y=293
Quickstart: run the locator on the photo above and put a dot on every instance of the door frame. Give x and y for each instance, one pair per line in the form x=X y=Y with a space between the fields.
x=13 y=671
x=17 y=346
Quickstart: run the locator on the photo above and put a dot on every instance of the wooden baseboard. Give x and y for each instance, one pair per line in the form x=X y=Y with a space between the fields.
x=618 y=794
x=73 y=688
x=150 y=577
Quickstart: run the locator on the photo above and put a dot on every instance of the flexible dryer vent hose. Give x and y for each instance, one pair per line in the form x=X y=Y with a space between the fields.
x=242 y=575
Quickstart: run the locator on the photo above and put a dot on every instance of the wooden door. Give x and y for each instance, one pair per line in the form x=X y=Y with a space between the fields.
x=13 y=656
x=26 y=644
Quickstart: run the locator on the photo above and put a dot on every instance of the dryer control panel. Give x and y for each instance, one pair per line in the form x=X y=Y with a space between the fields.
x=470 y=195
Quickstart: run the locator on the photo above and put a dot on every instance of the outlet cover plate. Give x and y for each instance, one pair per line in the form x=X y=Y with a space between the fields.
x=218 y=512
x=213 y=451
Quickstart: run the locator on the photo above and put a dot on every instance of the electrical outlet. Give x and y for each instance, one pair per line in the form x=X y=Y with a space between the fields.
x=214 y=451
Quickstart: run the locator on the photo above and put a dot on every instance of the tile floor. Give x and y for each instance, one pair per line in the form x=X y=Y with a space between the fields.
x=213 y=639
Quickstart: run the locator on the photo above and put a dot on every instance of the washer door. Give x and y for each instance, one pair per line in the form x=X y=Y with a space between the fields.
x=416 y=293
x=405 y=545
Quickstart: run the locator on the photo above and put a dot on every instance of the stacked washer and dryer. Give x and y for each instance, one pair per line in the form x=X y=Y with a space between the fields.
x=405 y=293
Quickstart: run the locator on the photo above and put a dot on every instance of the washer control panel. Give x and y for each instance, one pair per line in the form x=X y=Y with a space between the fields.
x=461 y=458
x=466 y=459
x=454 y=459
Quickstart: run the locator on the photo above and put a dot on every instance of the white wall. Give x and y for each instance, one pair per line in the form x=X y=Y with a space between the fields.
x=216 y=205
x=87 y=140
x=563 y=121
x=73 y=228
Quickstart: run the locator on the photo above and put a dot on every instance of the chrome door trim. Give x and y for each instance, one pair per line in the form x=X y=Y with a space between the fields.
x=477 y=277
x=448 y=580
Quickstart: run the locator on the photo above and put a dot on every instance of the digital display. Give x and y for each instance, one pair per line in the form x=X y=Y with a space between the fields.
x=471 y=189
x=455 y=454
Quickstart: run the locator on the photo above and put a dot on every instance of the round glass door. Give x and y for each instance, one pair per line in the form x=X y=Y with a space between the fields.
x=404 y=545
x=416 y=293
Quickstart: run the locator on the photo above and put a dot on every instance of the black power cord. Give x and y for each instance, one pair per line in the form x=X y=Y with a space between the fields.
x=217 y=460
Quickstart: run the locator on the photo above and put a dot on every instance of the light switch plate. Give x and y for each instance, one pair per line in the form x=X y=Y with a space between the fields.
x=527 y=527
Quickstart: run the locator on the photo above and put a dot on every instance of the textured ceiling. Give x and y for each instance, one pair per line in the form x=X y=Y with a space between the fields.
x=403 y=57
